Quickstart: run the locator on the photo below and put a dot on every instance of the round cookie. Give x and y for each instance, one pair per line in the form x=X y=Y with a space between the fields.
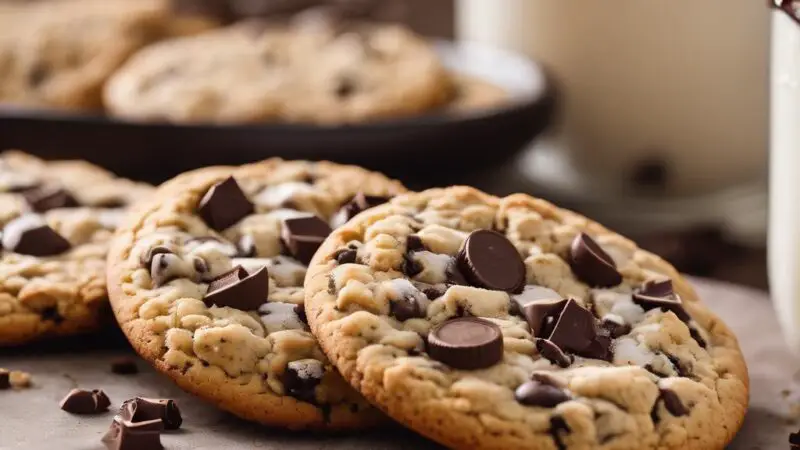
x=593 y=343
x=308 y=71
x=57 y=220
x=206 y=282
x=473 y=94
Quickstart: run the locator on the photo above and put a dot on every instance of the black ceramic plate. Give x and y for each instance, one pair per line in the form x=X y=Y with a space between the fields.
x=431 y=149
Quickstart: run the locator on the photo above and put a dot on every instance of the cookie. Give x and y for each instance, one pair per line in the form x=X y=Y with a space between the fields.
x=57 y=220
x=508 y=323
x=475 y=94
x=309 y=71
x=206 y=282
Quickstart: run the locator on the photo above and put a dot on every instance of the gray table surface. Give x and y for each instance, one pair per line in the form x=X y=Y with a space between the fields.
x=31 y=419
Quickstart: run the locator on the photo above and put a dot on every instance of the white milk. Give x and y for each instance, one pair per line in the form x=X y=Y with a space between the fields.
x=784 y=223
x=680 y=80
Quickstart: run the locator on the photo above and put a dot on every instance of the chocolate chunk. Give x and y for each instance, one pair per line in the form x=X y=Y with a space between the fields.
x=345 y=256
x=432 y=293
x=360 y=202
x=695 y=334
x=454 y=276
x=559 y=427
x=533 y=393
x=615 y=329
x=301 y=313
x=302 y=236
x=542 y=315
x=124 y=366
x=489 y=260
x=411 y=267
x=531 y=293
x=142 y=409
x=552 y=353
x=301 y=379
x=656 y=296
x=673 y=403
x=346 y=87
x=49 y=197
x=51 y=314
x=657 y=289
x=405 y=308
x=166 y=267
x=147 y=257
x=127 y=435
x=5 y=379
x=600 y=348
x=224 y=205
x=238 y=289
x=414 y=243
x=575 y=329
x=591 y=264
x=80 y=401
x=30 y=235
x=466 y=343
x=794 y=439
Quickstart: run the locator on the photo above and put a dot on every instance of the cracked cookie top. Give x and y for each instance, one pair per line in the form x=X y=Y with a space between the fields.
x=207 y=282
x=57 y=219
x=501 y=323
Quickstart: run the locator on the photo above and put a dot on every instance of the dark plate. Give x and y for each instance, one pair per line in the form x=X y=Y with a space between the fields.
x=437 y=148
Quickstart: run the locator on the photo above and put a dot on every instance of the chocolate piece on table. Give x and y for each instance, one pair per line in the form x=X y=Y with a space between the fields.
x=466 y=343
x=591 y=264
x=30 y=235
x=552 y=353
x=80 y=401
x=49 y=197
x=542 y=315
x=345 y=256
x=489 y=260
x=673 y=403
x=238 y=289
x=126 y=435
x=657 y=295
x=224 y=205
x=5 y=379
x=301 y=378
x=302 y=236
x=529 y=294
x=533 y=393
x=141 y=409
x=124 y=366
x=575 y=329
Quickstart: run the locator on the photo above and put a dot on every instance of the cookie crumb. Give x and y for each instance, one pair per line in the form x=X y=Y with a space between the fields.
x=124 y=366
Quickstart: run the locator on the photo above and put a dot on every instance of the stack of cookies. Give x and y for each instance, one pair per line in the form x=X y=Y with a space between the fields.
x=313 y=295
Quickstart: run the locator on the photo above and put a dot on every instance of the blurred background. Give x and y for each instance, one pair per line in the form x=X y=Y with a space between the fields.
x=651 y=117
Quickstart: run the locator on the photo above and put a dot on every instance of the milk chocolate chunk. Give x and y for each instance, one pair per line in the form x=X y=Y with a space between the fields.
x=542 y=315
x=575 y=329
x=80 y=401
x=552 y=353
x=238 y=289
x=142 y=409
x=489 y=260
x=301 y=378
x=673 y=403
x=466 y=343
x=302 y=236
x=529 y=294
x=591 y=264
x=224 y=205
x=126 y=435
x=615 y=329
x=345 y=256
x=533 y=393
x=30 y=235
x=46 y=198
x=660 y=295
x=5 y=379
x=405 y=308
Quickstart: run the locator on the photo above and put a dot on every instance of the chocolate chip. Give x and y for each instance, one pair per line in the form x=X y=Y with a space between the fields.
x=657 y=289
x=142 y=409
x=673 y=403
x=660 y=295
x=302 y=236
x=48 y=197
x=346 y=87
x=542 y=315
x=574 y=330
x=552 y=353
x=591 y=264
x=411 y=267
x=489 y=260
x=414 y=243
x=51 y=314
x=531 y=293
x=545 y=378
x=466 y=343
x=238 y=289
x=533 y=393
x=301 y=313
x=30 y=235
x=127 y=435
x=679 y=366
x=558 y=426
x=615 y=329
x=80 y=401
x=224 y=205
x=345 y=256
x=695 y=334
x=405 y=308
x=124 y=366
x=5 y=379
x=360 y=202
x=432 y=293
x=301 y=379
x=165 y=268
x=147 y=257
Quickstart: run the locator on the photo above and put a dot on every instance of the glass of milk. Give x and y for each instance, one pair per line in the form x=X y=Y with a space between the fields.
x=674 y=89
x=784 y=223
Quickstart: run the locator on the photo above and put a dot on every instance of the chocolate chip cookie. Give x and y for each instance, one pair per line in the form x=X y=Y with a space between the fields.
x=508 y=323
x=57 y=220
x=308 y=71
x=207 y=283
